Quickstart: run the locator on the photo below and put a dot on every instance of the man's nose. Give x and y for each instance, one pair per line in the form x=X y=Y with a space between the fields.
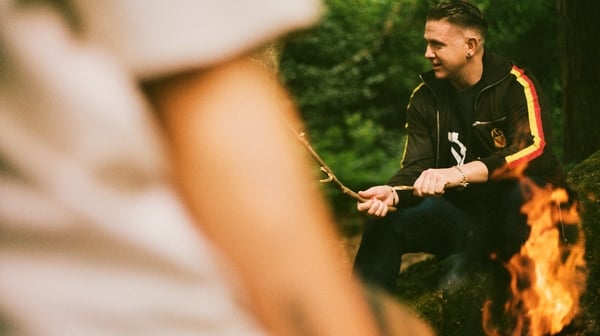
x=429 y=52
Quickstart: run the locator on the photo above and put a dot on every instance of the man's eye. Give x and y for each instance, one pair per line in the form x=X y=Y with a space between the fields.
x=435 y=45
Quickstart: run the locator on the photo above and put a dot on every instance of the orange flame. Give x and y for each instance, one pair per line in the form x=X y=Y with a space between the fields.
x=548 y=275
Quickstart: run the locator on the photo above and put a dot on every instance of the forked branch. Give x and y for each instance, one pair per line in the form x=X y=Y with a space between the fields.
x=327 y=171
x=331 y=176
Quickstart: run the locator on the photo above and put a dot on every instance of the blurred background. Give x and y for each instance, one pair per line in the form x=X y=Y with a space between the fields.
x=353 y=74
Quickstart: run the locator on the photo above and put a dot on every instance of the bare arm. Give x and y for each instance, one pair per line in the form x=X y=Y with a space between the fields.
x=246 y=181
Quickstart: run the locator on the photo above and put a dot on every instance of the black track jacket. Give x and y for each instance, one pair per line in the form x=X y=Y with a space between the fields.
x=511 y=126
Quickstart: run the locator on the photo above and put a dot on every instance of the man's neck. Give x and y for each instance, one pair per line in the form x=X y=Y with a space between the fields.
x=471 y=74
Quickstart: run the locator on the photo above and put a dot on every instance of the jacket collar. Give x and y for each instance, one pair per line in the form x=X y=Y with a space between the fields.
x=495 y=68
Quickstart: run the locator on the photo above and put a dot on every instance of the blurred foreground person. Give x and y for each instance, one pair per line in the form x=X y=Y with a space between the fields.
x=149 y=184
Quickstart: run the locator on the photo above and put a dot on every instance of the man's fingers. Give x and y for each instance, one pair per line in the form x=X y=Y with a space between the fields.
x=375 y=206
x=362 y=206
x=383 y=209
x=430 y=183
x=378 y=208
x=368 y=194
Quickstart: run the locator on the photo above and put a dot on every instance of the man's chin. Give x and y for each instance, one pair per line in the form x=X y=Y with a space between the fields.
x=439 y=74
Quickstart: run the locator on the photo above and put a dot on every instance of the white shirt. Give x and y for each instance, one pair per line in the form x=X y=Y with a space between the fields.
x=93 y=238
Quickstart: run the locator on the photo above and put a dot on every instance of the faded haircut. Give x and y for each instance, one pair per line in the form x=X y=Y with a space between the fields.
x=461 y=13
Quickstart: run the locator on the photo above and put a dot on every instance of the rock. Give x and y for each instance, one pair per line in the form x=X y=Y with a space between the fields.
x=584 y=178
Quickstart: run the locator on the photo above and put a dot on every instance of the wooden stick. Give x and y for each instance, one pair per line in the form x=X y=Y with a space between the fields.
x=331 y=176
x=325 y=169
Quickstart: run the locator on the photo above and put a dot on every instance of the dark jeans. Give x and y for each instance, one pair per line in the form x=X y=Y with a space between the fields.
x=475 y=222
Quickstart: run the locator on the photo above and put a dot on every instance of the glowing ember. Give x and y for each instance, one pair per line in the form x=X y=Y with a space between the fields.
x=548 y=275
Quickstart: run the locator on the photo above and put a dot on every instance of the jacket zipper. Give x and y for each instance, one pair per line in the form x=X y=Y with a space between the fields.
x=437 y=150
x=437 y=120
x=475 y=123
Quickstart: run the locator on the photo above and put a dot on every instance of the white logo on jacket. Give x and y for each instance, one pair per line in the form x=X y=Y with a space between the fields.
x=458 y=150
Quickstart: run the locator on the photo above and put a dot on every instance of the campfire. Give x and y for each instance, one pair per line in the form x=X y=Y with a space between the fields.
x=548 y=275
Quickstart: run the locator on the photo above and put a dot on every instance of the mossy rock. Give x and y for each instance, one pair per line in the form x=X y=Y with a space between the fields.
x=425 y=287
x=452 y=302
x=451 y=299
x=585 y=179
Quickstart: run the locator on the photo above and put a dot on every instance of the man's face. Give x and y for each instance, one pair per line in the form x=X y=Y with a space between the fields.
x=446 y=49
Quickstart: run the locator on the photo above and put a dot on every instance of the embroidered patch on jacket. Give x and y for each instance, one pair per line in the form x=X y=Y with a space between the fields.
x=499 y=138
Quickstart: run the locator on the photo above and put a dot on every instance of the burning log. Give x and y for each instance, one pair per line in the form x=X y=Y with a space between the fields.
x=454 y=310
x=548 y=275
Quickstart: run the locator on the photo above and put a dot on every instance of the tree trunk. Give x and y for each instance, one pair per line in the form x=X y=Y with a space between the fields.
x=578 y=26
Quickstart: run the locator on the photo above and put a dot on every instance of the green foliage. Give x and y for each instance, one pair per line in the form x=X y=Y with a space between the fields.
x=352 y=76
x=527 y=32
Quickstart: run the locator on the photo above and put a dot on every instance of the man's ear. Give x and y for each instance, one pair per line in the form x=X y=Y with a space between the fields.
x=472 y=43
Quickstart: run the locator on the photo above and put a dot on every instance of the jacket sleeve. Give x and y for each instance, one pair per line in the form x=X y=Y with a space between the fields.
x=419 y=150
x=526 y=136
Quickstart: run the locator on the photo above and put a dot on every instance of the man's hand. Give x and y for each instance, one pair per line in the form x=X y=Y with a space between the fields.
x=379 y=199
x=433 y=182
